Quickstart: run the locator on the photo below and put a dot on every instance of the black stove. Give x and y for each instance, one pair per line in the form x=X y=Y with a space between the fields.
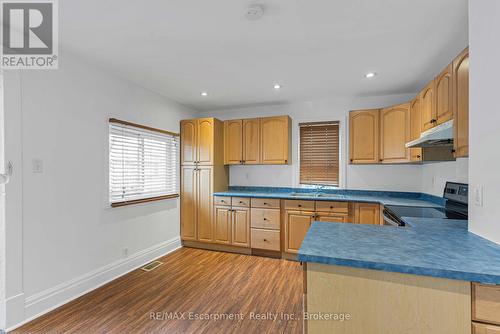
x=456 y=195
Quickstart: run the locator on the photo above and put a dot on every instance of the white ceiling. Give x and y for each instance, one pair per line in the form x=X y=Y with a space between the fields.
x=315 y=48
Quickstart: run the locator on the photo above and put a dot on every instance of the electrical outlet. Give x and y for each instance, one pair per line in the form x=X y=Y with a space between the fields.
x=478 y=195
x=125 y=252
x=37 y=166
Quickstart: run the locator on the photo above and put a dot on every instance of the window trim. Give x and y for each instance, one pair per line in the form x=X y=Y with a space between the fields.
x=146 y=199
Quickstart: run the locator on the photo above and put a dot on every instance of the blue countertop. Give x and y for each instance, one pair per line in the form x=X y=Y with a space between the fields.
x=431 y=247
x=382 y=197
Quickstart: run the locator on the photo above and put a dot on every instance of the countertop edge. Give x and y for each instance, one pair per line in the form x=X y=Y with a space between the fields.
x=397 y=268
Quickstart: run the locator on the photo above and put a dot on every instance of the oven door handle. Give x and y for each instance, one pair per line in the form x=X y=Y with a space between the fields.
x=390 y=221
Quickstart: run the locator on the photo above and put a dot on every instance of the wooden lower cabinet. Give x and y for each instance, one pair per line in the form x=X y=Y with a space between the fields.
x=188 y=203
x=222 y=220
x=232 y=225
x=367 y=213
x=297 y=224
x=204 y=203
x=335 y=218
x=478 y=328
x=240 y=226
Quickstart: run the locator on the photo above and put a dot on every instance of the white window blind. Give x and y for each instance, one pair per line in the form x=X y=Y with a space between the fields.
x=319 y=153
x=143 y=163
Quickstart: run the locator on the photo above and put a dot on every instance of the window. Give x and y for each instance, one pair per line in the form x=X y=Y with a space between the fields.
x=319 y=153
x=143 y=163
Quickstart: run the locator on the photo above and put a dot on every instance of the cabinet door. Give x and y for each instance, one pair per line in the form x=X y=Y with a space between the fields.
x=251 y=141
x=333 y=218
x=241 y=227
x=364 y=136
x=367 y=213
x=233 y=141
x=444 y=101
x=222 y=223
x=478 y=328
x=415 y=129
x=395 y=133
x=205 y=204
x=461 y=103
x=297 y=224
x=188 y=202
x=205 y=141
x=188 y=141
x=275 y=140
x=428 y=106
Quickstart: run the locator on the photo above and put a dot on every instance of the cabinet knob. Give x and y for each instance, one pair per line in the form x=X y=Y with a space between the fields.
x=331 y=207
x=241 y=161
x=418 y=156
x=265 y=218
x=241 y=202
x=265 y=203
x=265 y=240
x=380 y=160
x=300 y=205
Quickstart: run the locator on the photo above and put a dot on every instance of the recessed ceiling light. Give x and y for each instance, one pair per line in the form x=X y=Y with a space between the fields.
x=204 y=94
x=277 y=86
x=370 y=75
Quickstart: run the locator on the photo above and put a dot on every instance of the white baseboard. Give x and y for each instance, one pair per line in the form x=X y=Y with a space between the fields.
x=50 y=299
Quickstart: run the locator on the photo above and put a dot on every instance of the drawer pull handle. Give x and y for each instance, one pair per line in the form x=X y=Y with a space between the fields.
x=265 y=203
x=265 y=239
x=300 y=205
x=265 y=218
x=331 y=207
x=241 y=202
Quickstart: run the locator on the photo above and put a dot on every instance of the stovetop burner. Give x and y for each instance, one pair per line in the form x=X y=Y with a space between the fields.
x=456 y=207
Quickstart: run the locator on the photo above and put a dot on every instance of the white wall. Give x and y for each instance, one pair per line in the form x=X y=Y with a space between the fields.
x=435 y=175
x=65 y=238
x=484 y=118
x=398 y=178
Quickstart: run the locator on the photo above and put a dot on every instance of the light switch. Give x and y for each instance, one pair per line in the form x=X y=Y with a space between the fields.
x=37 y=166
x=478 y=195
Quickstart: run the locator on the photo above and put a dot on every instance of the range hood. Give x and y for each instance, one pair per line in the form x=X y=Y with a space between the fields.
x=441 y=135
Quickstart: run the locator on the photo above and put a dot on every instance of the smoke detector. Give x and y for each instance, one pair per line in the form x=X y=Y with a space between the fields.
x=254 y=12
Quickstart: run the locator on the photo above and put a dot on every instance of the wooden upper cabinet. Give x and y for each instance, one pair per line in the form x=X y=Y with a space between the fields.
x=199 y=138
x=395 y=133
x=275 y=140
x=364 y=136
x=428 y=105
x=251 y=141
x=415 y=129
x=188 y=141
x=205 y=141
x=233 y=143
x=461 y=103
x=444 y=101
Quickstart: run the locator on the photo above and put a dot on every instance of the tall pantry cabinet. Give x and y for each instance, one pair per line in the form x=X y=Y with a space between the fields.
x=202 y=173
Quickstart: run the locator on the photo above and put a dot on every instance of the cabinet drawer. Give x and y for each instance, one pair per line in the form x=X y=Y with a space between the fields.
x=265 y=203
x=265 y=239
x=240 y=201
x=478 y=328
x=337 y=207
x=222 y=200
x=486 y=303
x=265 y=218
x=299 y=205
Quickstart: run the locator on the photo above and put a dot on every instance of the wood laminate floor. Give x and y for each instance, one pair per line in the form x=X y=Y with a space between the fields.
x=206 y=283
